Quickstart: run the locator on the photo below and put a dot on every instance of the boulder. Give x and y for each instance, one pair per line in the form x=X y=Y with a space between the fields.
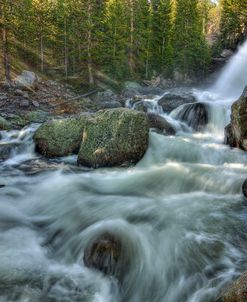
x=27 y=80
x=114 y=137
x=239 y=122
x=176 y=98
x=132 y=88
x=237 y=292
x=244 y=188
x=6 y=149
x=110 y=104
x=229 y=137
x=60 y=137
x=4 y=124
x=103 y=254
x=24 y=103
x=194 y=115
x=160 y=124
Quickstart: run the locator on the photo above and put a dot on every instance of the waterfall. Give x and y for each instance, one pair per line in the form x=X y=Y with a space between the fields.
x=233 y=78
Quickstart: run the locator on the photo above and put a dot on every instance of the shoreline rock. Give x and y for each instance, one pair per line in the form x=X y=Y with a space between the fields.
x=236 y=131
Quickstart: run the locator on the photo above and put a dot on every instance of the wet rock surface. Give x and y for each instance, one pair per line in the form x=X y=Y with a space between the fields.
x=160 y=124
x=175 y=98
x=236 y=292
x=103 y=254
x=194 y=115
x=236 y=133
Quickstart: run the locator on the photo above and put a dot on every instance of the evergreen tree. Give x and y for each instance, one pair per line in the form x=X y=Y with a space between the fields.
x=190 y=47
x=162 y=52
x=233 y=25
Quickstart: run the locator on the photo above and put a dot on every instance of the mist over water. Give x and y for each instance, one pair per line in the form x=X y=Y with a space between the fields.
x=179 y=214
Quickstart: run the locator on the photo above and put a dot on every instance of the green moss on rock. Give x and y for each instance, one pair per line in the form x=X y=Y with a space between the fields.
x=114 y=137
x=4 y=124
x=60 y=137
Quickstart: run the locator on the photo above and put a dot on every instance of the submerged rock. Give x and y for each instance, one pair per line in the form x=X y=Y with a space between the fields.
x=103 y=254
x=114 y=137
x=160 y=124
x=237 y=292
x=6 y=149
x=236 y=133
x=60 y=137
x=194 y=115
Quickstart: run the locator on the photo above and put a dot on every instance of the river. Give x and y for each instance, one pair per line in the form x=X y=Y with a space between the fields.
x=179 y=214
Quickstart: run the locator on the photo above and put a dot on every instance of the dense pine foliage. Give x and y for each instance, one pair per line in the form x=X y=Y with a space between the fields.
x=119 y=38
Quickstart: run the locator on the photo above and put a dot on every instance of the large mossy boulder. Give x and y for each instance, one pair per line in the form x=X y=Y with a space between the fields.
x=60 y=137
x=114 y=137
x=236 y=292
x=236 y=133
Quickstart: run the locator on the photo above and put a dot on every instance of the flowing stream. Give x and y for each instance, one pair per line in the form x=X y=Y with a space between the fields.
x=179 y=212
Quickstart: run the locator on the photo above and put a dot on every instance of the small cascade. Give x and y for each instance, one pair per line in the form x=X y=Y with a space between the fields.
x=194 y=115
x=17 y=145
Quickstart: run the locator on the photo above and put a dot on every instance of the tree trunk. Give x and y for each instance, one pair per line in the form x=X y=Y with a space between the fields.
x=89 y=46
x=131 y=49
x=65 y=49
x=41 y=53
x=6 y=61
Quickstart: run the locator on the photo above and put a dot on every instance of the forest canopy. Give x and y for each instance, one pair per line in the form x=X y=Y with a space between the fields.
x=124 y=39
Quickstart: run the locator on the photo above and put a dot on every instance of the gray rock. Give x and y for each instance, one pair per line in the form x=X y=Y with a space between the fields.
x=35 y=104
x=6 y=150
x=226 y=53
x=160 y=124
x=22 y=93
x=27 y=80
x=175 y=98
x=103 y=254
x=244 y=188
x=3 y=97
x=194 y=115
x=24 y=103
x=110 y=104
x=229 y=136
x=238 y=124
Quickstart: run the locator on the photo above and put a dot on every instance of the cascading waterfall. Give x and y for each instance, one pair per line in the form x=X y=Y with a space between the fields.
x=233 y=78
x=178 y=213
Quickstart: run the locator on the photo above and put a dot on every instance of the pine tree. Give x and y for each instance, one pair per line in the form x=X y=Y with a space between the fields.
x=190 y=47
x=162 y=52
x=233 y=25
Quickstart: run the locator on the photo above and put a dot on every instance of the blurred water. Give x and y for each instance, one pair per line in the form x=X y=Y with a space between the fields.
x=179 y=214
